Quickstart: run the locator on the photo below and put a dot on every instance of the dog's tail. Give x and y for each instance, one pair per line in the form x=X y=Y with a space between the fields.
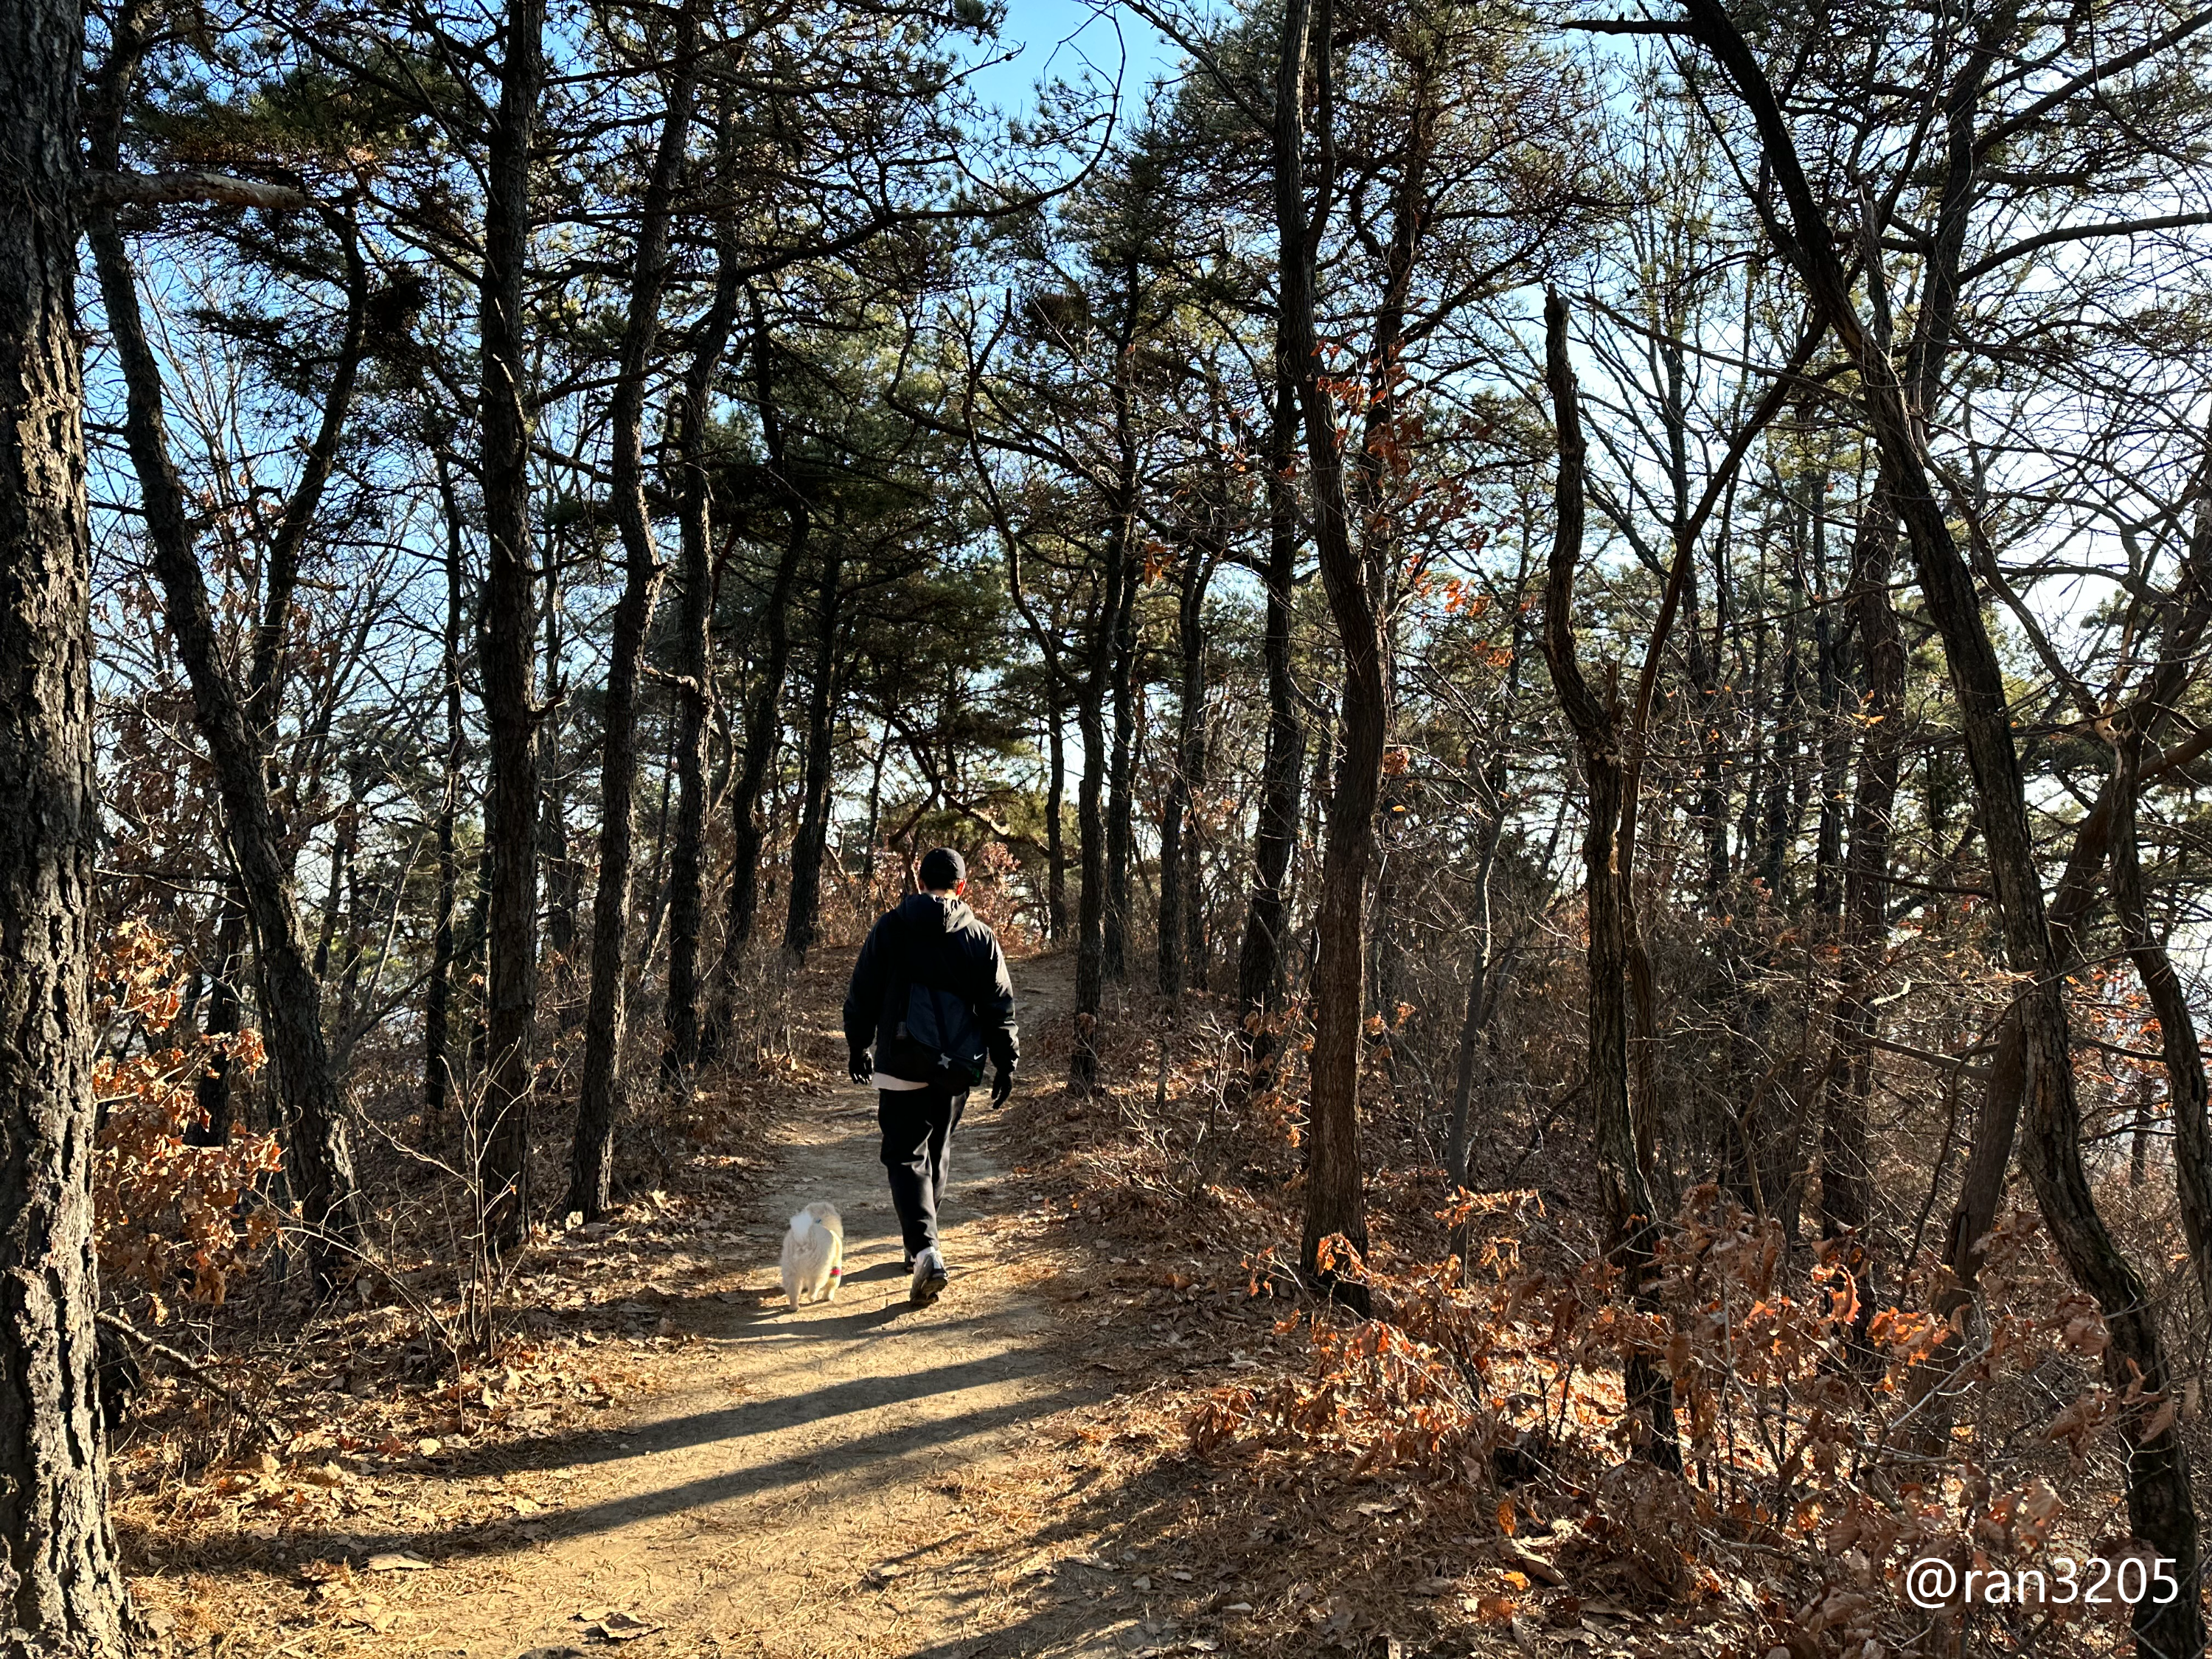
x=802 y=1223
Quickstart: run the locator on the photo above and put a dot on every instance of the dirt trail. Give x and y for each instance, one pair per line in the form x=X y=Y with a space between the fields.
x=796 y=1490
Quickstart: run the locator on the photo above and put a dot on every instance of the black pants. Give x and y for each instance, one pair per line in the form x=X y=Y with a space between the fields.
x=917 y=1125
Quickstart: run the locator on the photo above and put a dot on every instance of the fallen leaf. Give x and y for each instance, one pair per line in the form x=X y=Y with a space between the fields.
x=1492 y=1609
x=399 y=1561
x=1534 y=1564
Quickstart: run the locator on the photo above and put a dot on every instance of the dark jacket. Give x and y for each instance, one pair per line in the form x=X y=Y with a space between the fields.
x=932 y=993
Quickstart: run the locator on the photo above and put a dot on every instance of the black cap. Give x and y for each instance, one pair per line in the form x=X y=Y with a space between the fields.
x=943 y=870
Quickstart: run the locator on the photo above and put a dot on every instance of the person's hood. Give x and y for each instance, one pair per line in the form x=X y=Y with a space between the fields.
x=927 y=913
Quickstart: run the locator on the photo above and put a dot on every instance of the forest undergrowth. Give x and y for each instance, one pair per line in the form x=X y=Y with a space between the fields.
x=1458 y=1473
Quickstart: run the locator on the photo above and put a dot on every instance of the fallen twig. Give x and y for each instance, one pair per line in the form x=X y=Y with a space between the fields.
x=191 y=1368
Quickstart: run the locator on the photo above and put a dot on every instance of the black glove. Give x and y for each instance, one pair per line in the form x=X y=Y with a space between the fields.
x=862 y=1069
x=1002 y=1086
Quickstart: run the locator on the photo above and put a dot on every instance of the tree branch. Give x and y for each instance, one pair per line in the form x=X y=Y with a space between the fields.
x=193 y=185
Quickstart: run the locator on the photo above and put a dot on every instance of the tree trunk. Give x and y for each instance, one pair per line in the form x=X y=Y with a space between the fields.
x=562 y=875
x=321 y=1162
x=1055 y=832
x=601 y=1093
x=211 y=1090
x=1260 y=962
x=1483 y=969
x=695 y=671
x=2185 y=1085
x=1334 y=1201
x=1197 y=942
x=764 y=714
x=803 y=920
x=1597 y=724
x=1178 y=859
x=1846 y=1173
x=441 y=1092
x=1090 y=831
x=509 y=628
x=1122 y=755
x=61 y=1586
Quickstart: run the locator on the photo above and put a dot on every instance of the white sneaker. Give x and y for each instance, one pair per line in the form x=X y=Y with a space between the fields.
x=929 y=1278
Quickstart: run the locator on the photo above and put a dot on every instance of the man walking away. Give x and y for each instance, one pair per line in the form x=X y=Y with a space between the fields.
x=930 y=993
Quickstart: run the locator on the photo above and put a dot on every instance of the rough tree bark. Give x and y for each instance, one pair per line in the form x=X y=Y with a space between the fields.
x=601 y=1091
x=508 y=650
x=2186 y=1091
x=61 y=1586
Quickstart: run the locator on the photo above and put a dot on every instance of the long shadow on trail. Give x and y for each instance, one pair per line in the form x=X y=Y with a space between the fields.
x=766 y=1416
x=815 y=1463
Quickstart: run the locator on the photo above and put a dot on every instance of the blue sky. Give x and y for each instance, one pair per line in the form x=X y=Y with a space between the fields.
x=1068 y=39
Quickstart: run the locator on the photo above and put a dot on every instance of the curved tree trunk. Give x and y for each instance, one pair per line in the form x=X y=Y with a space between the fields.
x=601 y=1095
x=61 y=1586
x=321 y=1161
x=1335 y=1201
x=1597 y=726
x=2186 y=1090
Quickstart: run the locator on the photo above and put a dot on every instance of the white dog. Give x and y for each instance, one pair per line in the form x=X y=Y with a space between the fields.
x=813 y=1254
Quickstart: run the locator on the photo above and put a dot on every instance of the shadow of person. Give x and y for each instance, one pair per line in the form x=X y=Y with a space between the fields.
x=851 y=1324
x=882 y=1270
